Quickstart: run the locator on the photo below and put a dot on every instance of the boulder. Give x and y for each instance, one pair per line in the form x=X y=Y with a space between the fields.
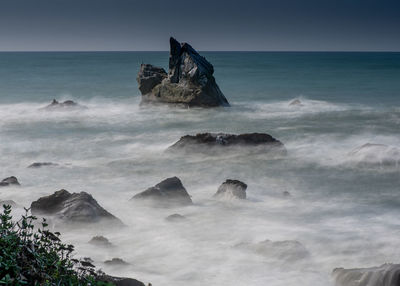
x=217 y=142
x=285 y=251
x=169 y=192
x=73 y=208
x=9 y=181
x=119 y=281
x=41 y=164
x=384 y=275
x=189 y=82
x=100 y=241
x=232 y=189
x=376 y=154
x=175 y=218
x=116 y=262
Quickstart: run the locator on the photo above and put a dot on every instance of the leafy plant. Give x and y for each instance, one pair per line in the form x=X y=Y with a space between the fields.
x=38 y=257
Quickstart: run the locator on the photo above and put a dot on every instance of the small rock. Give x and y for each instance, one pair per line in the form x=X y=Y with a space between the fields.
x=100 y=241
x=119 y=281
x=8 y=203
x=296 y=102
x=116 y=262
x=232 y=189
x=169 y=192
x=286 y=194
x=60 y=105
x=175 y=217
x=9 y=181
x=41 y=164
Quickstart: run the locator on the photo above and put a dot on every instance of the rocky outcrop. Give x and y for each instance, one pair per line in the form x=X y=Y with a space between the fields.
x=232 y=189
x=285 y=251
x=9 y=181
x=119 y=281
x=67 y=104
x=384 y=275
x=169 y=192
x=100 y=241
x=216 y=142
x=116 y=262
x=73 y=208
x=175 y=218
x=189 y=81
x=42 y=164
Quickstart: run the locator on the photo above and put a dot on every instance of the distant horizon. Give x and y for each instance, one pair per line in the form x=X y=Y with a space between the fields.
x=201 y=51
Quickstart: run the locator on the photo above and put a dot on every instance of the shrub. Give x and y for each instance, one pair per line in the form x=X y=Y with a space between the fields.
x=30 y=256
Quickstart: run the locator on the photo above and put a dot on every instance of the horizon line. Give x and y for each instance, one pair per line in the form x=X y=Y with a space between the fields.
x=214 y=51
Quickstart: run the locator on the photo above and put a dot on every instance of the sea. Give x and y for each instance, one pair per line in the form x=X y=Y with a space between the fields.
x=335 y=195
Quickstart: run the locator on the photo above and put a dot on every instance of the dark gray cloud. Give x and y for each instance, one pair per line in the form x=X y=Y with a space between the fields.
x=207 y=24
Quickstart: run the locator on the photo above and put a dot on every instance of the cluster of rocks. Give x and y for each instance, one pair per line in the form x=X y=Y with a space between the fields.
x=67 y=104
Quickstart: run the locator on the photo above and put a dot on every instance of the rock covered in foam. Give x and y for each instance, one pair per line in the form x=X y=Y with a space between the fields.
x=219 y=142
x=42 y=164
x=9 y=181
x=76 y=207
x=100 y=241
x=169 y=192
x=384 y=275
x=67 y=104
x=190 y=80
x=372 y=154
x=232 y=189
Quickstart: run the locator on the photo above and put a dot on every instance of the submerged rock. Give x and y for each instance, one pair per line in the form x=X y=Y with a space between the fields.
x=232 y=189
x=376 y=154
x=116 y=262
x=119 y=281
x=41 y=164
x=76 y=207
x=55 y=104
x=169 y=192
x=9 y=181
x=286 y=250
x=215 y=142
x=384 y=275
x=175 y=217
x=296 y=102
x=190 y=80
x=100 y=241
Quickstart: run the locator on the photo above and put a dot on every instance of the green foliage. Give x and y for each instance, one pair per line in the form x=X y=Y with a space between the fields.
x=38 y=257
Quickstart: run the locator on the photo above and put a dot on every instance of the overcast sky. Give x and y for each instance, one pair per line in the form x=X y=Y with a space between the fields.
x=278 y=25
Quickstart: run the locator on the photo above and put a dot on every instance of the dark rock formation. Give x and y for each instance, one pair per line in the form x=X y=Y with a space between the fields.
x=9 y=181
x=169 y=192
x=118 y=281
x=232 y=189
x=211 y=142
x=190 y=80
x=116 y=262
x=384 y=275
x=100 y=241
x=68 y=104
x=41 y=164
x=76 y=207
x=175 y=217
x=285 y=251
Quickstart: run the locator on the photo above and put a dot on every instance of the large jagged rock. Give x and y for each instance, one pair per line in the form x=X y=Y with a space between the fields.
x=232 y=189
x=75 y=208
x=384 y=275
x=221 y=142
x=190 y=80
x=169 y=192
x=9 y=181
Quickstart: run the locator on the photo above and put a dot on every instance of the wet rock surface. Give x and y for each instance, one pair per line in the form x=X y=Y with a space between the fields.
x=234 y=189
x=189 y=82
x=75 y=207
x=9 y=181
x=169 y=192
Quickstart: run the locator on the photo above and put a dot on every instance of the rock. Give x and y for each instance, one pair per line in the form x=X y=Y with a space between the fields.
x=296 y=102
x=8 y=203
x=286 y=250
x=41 y=164
x=232 y=189
x=76 y=207
x=376 y=154
x=100 y=241
x=169 y=192
x=9 y=181
x=175 y=218
x=384 y=275
x=189 y=82
x=116 y=262
x=215 y=142
x=286 y=194
x=61 y=105
x=118 y=281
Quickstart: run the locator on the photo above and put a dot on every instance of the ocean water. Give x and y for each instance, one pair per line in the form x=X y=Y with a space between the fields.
x=344 y=206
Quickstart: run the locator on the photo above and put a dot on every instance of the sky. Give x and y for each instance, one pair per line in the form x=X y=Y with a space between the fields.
x=234 y=25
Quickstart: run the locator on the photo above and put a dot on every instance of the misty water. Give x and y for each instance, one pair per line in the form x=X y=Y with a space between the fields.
x=344 y=203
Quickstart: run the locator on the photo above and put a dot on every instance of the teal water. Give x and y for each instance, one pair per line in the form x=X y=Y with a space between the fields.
x=344 y=204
